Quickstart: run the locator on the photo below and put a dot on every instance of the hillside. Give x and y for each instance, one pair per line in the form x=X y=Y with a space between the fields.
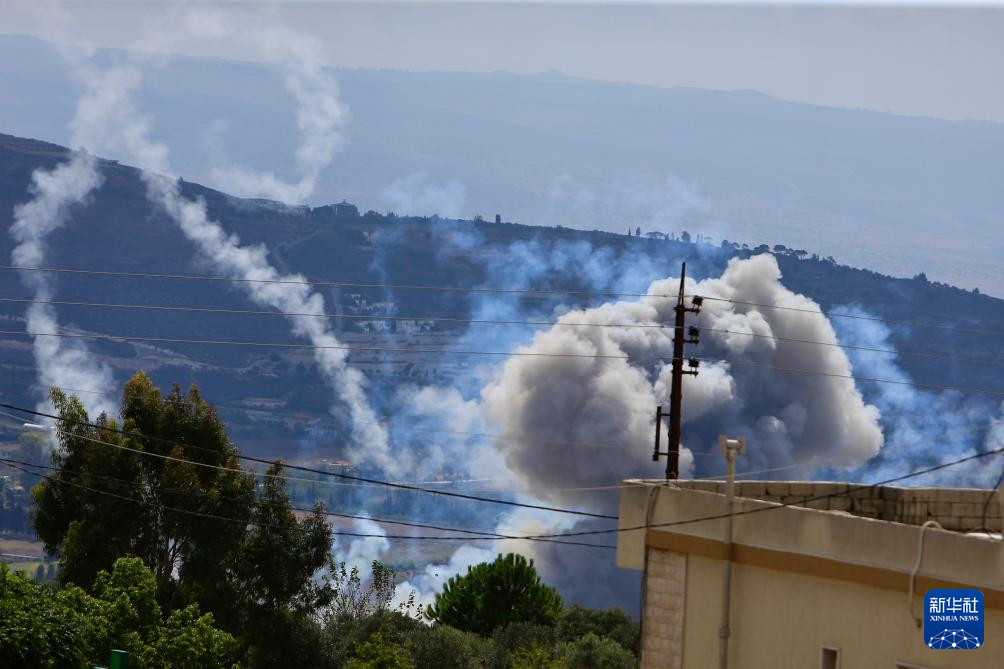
x=119 y=231
x=896 y=194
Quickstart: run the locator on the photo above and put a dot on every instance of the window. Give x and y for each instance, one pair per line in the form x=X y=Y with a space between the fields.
x=830 y=658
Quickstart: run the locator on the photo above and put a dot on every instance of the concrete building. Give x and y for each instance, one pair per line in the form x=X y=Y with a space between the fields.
x=825 y=584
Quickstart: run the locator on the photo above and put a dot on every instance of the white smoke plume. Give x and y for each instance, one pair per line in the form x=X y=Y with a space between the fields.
x=606 y=405
x=227 y=256
x=362 y=552
x=430 y=581
x=320 y=116
x=121 y=127
x=60 y=362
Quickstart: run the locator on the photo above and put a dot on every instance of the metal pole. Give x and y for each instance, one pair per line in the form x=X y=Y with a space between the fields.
x=676 y=388
x=658 y=432
x=730 y=447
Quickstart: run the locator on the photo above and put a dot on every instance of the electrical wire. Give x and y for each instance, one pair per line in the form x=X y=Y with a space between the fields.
x=525 y=439
x=264 y=312
x=514 y=291
x=838 y=314
x=362 y=479
x=340 y=533
x=188 y=493
x=485 y=321
x=793 y=370
x=296 y=345
x=333 y=284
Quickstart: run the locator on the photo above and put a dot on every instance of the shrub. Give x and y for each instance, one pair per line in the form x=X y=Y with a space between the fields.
x=443 y=647
x=595 y=652
x=379 y=653
x=575 y=622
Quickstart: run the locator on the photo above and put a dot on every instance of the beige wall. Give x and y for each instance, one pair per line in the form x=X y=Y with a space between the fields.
x=802 y=579
x=781 y=620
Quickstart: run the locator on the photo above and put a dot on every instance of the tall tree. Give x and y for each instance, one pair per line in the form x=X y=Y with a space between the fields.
x=171 y=493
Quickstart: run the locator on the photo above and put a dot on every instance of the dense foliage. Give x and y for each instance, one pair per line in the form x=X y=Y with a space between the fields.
x=40 y=627
x=170 y=492
x=494 y=594
x=166 y=548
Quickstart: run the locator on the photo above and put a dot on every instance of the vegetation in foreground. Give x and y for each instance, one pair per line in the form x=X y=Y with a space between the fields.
x=168 y=549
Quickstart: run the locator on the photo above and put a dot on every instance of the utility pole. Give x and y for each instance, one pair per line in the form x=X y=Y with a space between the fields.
x=681 y=336
x=731 y=448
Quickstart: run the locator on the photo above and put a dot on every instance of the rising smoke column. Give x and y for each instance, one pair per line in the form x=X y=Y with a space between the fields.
x=608 y=402
x=320 y=116
x=225 y=253
x=122 y=128
x=60 y=362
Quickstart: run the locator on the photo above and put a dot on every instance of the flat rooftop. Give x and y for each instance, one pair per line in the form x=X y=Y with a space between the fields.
x=839 y=523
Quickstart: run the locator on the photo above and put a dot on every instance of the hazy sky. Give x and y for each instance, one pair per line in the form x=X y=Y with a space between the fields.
x=918 y=59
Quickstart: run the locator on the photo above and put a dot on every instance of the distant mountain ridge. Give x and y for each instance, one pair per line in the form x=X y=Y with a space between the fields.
x=898 y=194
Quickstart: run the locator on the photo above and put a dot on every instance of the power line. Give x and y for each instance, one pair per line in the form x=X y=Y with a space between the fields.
x=837 y=314
x=362 y=479
x=342 y=533
x=854 y=347
x=748 y=473
x=486 y=321
x=812 y=463
x=264 y=312
x=486 y=535
x=334 y=284
x=915 y=384
x=525 y=439
x=369 y=349
x=526 y=292
x=297 y=345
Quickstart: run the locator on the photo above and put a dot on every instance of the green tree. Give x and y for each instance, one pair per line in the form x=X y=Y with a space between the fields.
x=34 y=630
x=42 y=628
x=496 y=593
x=174 y=496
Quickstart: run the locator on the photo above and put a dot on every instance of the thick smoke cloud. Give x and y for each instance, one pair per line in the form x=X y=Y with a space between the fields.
x=791 y=420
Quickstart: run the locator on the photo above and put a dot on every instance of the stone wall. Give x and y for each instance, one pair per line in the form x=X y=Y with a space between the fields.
x=665 y=598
